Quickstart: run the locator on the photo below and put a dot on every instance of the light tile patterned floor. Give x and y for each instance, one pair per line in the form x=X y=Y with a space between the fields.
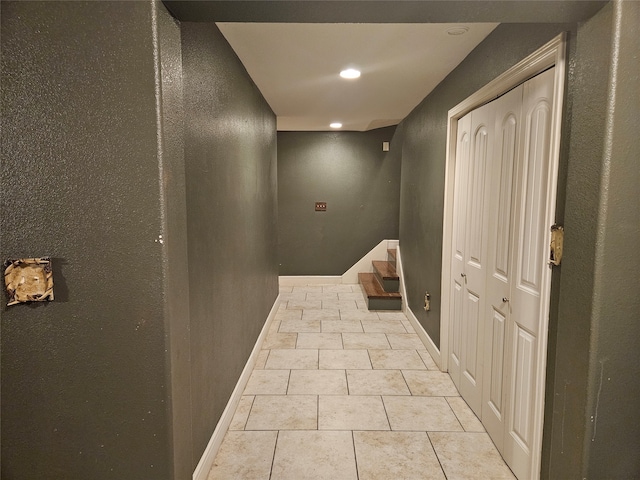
x=341 y=393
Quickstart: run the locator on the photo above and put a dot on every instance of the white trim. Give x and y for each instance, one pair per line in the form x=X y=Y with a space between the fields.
x=553 y=53
x=302 y=280
x=550 y=54
x=206 y=461
x=400 y=272
x=550 y=215
x=364 y=265
x=424 y=336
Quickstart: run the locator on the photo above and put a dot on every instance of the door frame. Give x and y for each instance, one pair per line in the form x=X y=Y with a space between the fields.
x=551 y=54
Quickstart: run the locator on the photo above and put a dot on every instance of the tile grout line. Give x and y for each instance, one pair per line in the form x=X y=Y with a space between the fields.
x=437 y=456
x=346 y=378
x=244 y=426
x=384 y=405
x=288 y=383
x=273 y=458
x=355 y=454
x=407 y=383
x=455 y=414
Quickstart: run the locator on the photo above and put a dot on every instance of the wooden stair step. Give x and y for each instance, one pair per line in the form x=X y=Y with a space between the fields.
x=387 y=275
x=385 y=269
x=377 y=297
x=373 y=289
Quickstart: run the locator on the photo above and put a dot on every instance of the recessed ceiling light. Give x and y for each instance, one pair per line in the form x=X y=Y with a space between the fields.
x=335 y=125
x=458 y=30
x=350 y=73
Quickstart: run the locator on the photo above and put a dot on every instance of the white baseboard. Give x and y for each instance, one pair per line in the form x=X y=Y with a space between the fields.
x=302 y=280
x=206 y=461
x=379 y=252
x=400 y=272
x=364 y=265
x=424 y=336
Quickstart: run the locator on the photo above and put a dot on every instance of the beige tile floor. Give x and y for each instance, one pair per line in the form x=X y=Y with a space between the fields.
x=343 y=393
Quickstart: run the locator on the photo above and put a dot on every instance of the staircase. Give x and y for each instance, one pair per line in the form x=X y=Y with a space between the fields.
x=382 y=286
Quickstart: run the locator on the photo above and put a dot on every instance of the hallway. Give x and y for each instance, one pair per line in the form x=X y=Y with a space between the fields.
x=339 y=392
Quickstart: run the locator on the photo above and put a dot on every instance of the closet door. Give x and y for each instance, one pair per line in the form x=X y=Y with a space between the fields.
x=500 y=279
x=499 y=262
x=533 y=180
x=463 y=143
x=469 y=256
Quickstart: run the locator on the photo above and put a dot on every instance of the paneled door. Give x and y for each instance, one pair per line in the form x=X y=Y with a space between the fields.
x=469 y=252
x=463 y=143
x=499 y=276
x=499 y=262
x=533 y=180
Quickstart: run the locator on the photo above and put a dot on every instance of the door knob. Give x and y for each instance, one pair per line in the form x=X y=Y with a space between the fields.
x=505 y=299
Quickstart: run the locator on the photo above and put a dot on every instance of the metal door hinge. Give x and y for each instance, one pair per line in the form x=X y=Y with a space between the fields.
x=557 y=241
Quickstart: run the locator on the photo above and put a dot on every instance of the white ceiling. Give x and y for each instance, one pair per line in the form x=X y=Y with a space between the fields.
x=296 y=67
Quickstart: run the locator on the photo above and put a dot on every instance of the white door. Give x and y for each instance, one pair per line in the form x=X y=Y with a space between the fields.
x=510 y=353
x=530 y=271
x=502 y=177
x=469 y=254
x=463 y=143
x=499 y=270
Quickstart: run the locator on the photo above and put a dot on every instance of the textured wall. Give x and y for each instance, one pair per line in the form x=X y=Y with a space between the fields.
x=230 y=156
x=359 y=182
x=595 y=431
x=174 y=227
x=423 y=141
x=614 y=441
x=84 y=390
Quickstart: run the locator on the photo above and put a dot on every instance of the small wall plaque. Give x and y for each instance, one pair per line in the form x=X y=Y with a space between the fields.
x=28 y=280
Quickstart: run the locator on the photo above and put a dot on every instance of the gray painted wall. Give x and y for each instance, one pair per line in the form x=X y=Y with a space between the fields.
x=230 y=155
x=614 y=385
x=174 y=225
x=359 y=182
x=595 y=427
x=84 y=379
x=126 y=373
